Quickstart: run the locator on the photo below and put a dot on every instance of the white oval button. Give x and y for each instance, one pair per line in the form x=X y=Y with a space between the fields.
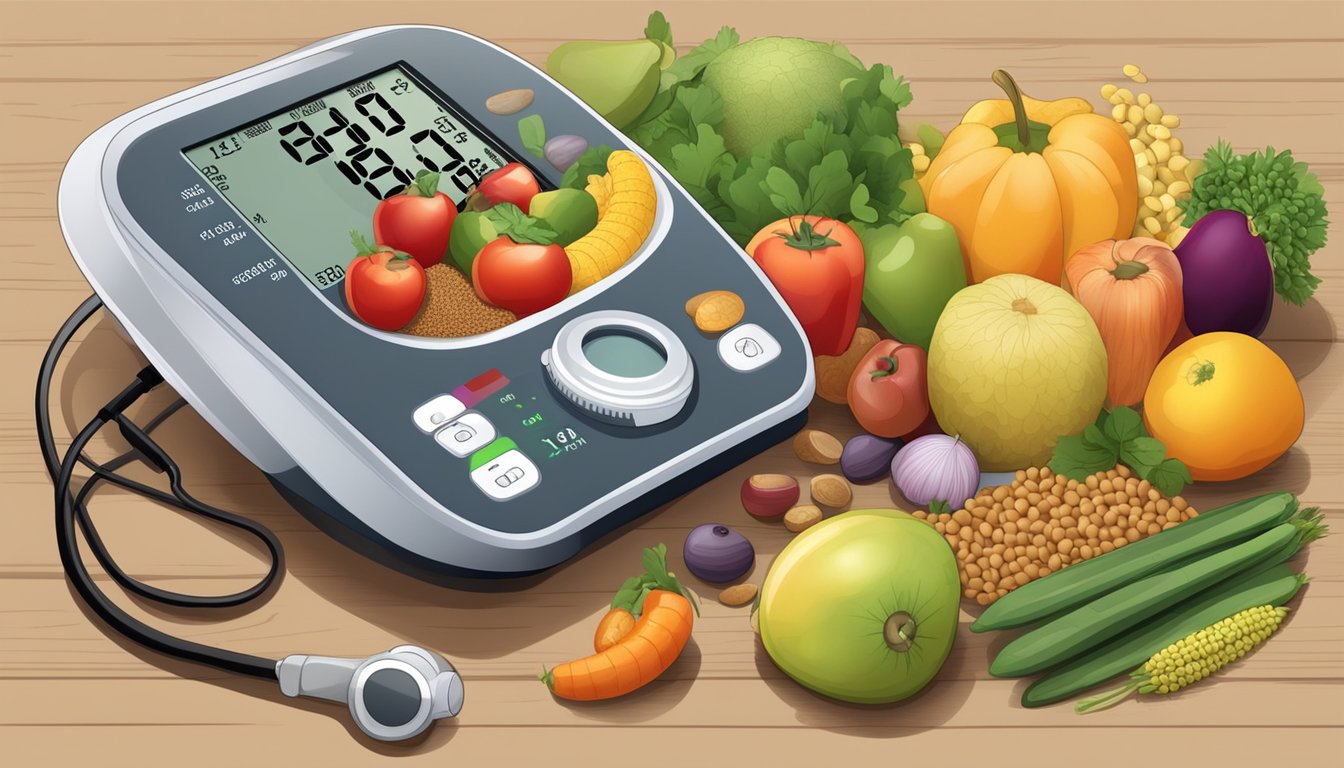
x=747 y=347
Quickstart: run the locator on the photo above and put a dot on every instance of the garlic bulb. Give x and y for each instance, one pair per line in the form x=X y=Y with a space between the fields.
x=936 y=471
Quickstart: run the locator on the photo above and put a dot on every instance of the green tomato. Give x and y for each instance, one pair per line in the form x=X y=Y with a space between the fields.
x=471 y=231
x=911 y=270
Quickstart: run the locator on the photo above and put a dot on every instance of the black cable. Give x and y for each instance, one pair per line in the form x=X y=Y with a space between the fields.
x=71 y=510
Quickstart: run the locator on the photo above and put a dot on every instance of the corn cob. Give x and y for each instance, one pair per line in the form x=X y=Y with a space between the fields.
x=1195 y=656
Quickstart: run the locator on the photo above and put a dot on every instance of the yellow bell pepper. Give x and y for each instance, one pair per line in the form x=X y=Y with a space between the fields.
x=1026 y=183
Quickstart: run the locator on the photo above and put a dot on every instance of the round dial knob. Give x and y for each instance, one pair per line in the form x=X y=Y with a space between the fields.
x=621 y=367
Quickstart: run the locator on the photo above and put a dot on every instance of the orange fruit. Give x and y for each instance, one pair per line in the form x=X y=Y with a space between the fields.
x=1225 y=405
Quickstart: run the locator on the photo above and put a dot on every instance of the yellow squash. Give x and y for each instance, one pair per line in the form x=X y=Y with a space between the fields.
x=1026 y=183
x=626 y=203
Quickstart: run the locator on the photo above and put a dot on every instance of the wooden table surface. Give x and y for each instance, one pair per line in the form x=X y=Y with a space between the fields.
x=70 y=693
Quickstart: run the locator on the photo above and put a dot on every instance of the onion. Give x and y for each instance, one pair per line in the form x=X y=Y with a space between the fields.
x=936 y=470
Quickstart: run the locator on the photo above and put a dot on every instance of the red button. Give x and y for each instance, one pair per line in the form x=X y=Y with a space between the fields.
x=481 y=387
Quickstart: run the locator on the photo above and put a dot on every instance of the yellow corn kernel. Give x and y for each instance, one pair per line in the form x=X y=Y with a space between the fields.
x=1144 y=100
x=1152 y=113
x=1145 y=170
x=1135 y=113
x=1177 y=145
x=1171 y=121
x=1108 y=90
x=1178 y=188
x=1202 y=653
x=1165 y=175
x=915 y=149
x=1118 y=112
x=1177 y=163
x=1137 y=146
x=1162 y=150
x=921 y=163
x=1152 y=204
x=1145 y=187
x=1125 y=95
x=1159 y=186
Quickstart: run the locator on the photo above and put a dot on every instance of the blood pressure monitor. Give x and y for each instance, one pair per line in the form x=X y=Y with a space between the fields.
x=214 y=225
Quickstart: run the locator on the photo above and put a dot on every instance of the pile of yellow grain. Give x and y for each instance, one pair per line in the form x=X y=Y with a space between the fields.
x=1010 y=534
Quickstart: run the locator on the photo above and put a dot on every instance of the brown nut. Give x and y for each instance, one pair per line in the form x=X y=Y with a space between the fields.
x=716 y=311
x=817 y=447
x=740 y=594
x=769 y=495
x=509 y=102
x=801 y=518
x=834 y=371
x=831 y=490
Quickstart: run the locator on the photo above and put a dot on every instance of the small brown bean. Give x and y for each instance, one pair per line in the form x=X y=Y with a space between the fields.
x=962 y=516
x=995 y=561
x=975 y=583
x=1107 y=546
x=952 y=526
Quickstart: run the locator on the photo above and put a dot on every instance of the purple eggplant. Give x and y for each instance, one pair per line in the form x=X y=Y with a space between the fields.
x=1227 y=276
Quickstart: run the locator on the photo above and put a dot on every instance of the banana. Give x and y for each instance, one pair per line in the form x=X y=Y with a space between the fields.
x=626 y=203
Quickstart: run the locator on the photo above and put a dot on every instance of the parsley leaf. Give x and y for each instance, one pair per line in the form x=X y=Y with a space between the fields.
x=1119 y=437
x=532 y=131
x=510 y=220
x=657 y=29
x=1170 y=477
x=1076 y=457
x=1283 y=200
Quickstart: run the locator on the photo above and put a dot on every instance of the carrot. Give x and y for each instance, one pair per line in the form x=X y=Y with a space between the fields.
x=630 y=655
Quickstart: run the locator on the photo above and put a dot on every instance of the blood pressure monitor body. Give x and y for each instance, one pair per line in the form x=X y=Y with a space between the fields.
x=214 y=225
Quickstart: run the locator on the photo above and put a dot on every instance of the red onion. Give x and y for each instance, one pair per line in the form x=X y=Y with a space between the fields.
x=936 y=470
x=718 y=554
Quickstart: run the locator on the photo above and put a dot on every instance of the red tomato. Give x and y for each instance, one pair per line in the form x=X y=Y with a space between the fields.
x=383 y=288
x=417 y=221
x=816 y=264
x=511 y=184
x=889 y=391
x=521 y=277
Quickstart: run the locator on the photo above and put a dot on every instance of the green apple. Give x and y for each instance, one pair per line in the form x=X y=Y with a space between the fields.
x=470 y=233
x=570 y=213
x=618 y=78
x=911 y=270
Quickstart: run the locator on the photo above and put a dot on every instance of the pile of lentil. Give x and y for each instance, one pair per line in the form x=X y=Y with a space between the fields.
x=1008 y=535
x=453 y=309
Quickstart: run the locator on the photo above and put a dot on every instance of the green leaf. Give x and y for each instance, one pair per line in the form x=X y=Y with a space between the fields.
x=532 y=131
x=829 y=184
x=1170 y=477
x=1093 y=435
x=1142 y=454
x=859 y=207
x=1124 y=424
x=628 y=596
x=1076 y=457
x=784 y=193
x=593 y=162
x=510 y=220
x=693 y=62
x=694 y=164
x=658 y=29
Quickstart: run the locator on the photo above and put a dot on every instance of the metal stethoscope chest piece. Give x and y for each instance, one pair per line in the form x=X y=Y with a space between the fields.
x=392 y=696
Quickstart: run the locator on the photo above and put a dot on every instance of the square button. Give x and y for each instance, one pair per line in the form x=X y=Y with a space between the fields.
x=437 y=412
x=507 y=475
x=747 y=347
x=466 y=435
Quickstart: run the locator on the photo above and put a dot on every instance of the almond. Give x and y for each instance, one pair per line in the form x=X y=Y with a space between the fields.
x=817 y=447
x=740 y=594
x=801 y=518
x=716 y=311
x=834 y=371
x=831 y=490
x=509 y=102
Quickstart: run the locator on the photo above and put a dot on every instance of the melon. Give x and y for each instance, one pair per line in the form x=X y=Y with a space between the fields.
x=1014 y=364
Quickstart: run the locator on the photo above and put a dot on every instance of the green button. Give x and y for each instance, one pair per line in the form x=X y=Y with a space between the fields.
x=491 y=452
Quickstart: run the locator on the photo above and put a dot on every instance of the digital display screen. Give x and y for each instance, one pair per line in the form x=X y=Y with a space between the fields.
x=307 y=175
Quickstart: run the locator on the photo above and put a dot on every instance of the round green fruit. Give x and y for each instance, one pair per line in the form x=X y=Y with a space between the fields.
x=862 y=606
x=1015 y=363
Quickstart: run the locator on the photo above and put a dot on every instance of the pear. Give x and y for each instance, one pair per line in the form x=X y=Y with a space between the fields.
x=618 y=78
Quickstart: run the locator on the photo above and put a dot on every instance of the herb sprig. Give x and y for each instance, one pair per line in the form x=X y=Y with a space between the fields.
x=1119 y=437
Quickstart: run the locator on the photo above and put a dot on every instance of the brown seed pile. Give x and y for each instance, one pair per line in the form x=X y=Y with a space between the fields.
x=1010 y=534
x=453 y=309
